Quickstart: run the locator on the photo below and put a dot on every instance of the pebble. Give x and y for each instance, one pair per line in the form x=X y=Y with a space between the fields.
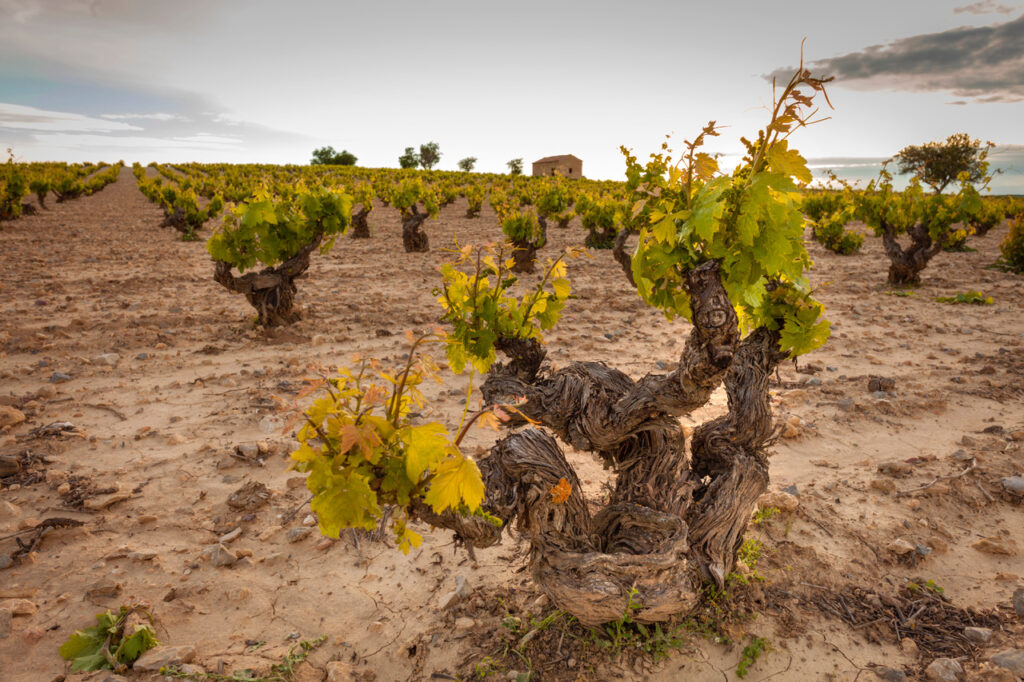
x=310 y=520
x=783 y=501
x=978 y=635
x=250 y=450
x=895 y=468
x=6 y=626
x=995 y=546
x=19 y=607
x=881 y=384
x=161 y=656
x=1011 y=659
x=104 y=501
x=1017 y=436
x=1018 y=601
x=901 y=546
x=238 y=594
x=268 y=532
x=107 y=359
x=884 y=485
x=944 y=670
x=103 y=588
x=46 y=392
x=220 y=555
x=298 y=534
x=464 y=625
x=891 y=674
x=230 y=536
x=10 y=416
x=1014 y=484
x=59 y=378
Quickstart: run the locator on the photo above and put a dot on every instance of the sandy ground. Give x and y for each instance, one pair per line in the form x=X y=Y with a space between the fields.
x=109 y=324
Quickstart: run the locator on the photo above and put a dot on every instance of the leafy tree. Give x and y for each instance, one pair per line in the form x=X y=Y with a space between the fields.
x=727 y=253
x=515 y=167
x=410 y=159
x=927 y=219
x=467 y=164
x=280 y=233
x=430 y=154
x=937 y=164
x=326 y=156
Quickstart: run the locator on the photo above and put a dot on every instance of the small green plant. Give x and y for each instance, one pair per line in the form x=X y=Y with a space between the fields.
x=751 y=652
x=114 y=643
x=971 y=297
x=279 y=672
x=902 y=293
x=926 y=586
x=1012 y=247
x=765 y=514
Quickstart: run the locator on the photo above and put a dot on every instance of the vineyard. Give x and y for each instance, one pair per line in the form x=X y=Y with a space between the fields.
x=350 y=423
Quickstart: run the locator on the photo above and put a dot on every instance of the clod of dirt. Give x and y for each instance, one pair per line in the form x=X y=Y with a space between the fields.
x=249 y=497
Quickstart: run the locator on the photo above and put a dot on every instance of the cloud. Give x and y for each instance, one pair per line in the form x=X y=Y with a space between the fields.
x=985 y=7
x=19 y=117
x=136 y=142
x=148 y=117
x=24 y=11
x=983 y=63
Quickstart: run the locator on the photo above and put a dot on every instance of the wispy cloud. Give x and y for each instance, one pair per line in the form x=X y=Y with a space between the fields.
x=984 y=64
x=19 y=117
x=985 y=7
x=24 y=11
x=136 y=142
x=144 y=117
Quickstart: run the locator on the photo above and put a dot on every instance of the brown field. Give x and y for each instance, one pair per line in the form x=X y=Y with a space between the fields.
x=168 y=378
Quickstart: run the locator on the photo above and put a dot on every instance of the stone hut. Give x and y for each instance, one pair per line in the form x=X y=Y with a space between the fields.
x=566 y=165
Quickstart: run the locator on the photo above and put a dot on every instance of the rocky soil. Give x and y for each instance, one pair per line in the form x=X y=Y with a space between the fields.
x=142 y=460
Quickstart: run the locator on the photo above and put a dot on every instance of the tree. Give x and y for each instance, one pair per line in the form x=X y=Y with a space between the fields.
x=515 y=167
x=430 y=154
x=712 y=248
x=467 y=164
x=281 y=234
x=927 y=219
x=937 y=164
x=326 y=156
x=410 y=159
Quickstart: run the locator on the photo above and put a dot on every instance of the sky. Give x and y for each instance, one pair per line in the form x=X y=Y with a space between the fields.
x=268 y=81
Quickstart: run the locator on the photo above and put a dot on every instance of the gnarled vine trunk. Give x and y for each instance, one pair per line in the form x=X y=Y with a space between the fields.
x=672 y=522
x=270 y=291
x=178 y=219
x=906 y=264
x=524 y=255
x=360 y=226
x=600 y=239
x=413 y=238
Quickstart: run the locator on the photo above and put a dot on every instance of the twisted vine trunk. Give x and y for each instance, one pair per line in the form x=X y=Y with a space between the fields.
x=360 y=226
x=524 y=255
x=671 y=523
x=178 y=219
x=413 y=238
x=270 y=291
x=906 y=264
x=600 y=239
